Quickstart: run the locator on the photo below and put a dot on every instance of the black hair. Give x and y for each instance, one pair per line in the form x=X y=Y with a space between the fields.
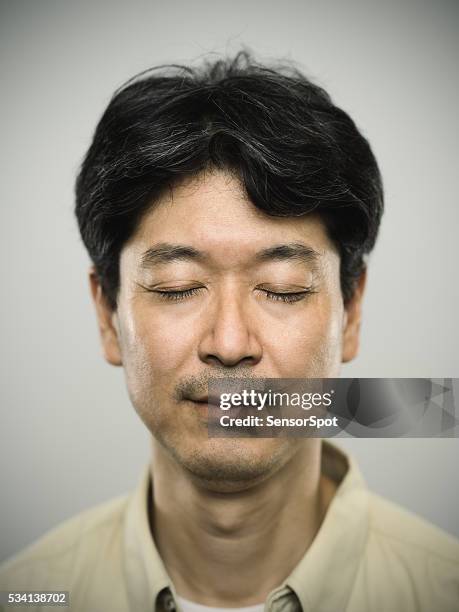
x=294 y=151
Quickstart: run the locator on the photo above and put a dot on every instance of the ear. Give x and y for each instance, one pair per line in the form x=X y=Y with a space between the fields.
x=106 y=318
x=352 y=320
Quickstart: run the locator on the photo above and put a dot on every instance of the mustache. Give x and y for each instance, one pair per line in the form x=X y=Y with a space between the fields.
x=198 y=384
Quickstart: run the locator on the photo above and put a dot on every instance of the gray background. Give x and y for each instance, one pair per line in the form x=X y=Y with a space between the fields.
x=69 y=437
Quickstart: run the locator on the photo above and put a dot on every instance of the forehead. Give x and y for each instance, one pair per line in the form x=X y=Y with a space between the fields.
x=211 y=211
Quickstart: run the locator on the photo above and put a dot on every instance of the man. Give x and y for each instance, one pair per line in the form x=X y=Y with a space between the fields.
x=227 y=212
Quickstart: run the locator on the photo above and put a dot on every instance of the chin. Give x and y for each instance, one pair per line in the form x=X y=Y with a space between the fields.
x=232 y=464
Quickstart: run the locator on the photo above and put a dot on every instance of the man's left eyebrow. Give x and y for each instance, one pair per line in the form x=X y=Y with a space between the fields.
x=287 y=252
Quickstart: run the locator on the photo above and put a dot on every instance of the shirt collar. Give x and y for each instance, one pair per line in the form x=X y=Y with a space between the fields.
x=145 y=573
x=324 y=577
x=332 y=558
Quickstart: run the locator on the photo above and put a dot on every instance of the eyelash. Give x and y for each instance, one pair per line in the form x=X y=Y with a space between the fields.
x=177 y=296
x=286 y=298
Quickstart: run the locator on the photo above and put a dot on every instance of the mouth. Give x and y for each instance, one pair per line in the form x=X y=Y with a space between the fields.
x=205 y=400
x=207 y=409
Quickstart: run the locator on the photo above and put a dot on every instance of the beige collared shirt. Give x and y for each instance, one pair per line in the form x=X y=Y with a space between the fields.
x=368 y=556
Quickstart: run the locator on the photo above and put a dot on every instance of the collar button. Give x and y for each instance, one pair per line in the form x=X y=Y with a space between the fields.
x=166 y=602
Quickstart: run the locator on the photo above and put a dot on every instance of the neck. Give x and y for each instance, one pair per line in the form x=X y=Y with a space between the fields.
x=232 y=549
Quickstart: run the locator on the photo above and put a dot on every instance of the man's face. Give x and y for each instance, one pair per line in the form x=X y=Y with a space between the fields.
x=210 y=286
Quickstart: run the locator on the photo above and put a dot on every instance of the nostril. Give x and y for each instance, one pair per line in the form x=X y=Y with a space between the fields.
x=228 y=362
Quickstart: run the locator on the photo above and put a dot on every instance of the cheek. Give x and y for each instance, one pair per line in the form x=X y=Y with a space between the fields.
x=164 y=339
x=311 y=342
x=154 y=349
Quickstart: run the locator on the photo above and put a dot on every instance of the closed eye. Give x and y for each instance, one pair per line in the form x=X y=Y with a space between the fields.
x=287 y=297
x=176 y=295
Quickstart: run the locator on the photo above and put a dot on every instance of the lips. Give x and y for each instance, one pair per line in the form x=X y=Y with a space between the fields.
x=212 y=400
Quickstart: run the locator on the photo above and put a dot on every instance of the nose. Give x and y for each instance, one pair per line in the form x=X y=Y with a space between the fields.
x=230 y=338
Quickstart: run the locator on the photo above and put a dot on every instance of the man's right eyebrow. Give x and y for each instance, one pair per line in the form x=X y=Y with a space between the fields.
x=164 y=253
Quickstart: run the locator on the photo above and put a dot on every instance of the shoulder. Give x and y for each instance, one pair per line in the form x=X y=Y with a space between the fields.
x=409 y=560
x=404 y=530
x=92 y=534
